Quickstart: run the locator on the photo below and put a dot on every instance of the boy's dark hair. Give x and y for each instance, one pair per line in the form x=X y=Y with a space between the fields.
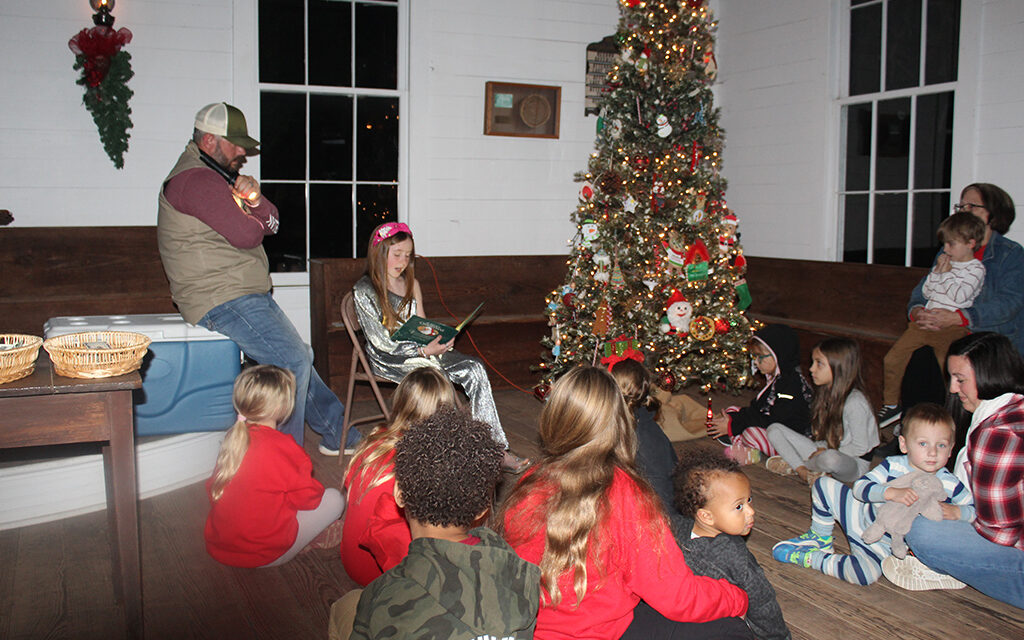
x=926 y=413
x=446 y=467
x=962 y=226
x=693 y=475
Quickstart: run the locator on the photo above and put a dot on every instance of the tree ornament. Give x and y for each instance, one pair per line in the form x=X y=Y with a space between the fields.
x=743 y=298
x=695 y=156
x=702 y=328
x=696 y=261
x=610 y=183
x=710 y=64
x=587 y=192
x=721 y=326
x=629 y=204
x=602 y=319
x=621 y=348
x=657 y=196
x=667 y=382
x=641 y=161
x=644 y=60
x=541 y=391
x=603 y=263
x=106 y=71
x=617 y=281
x=678 y=311
x=664 y=128
x=588 y=233
x=727 y=240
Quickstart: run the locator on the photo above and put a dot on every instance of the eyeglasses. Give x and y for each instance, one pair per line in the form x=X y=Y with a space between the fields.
x=760 y=358
x=966 y=206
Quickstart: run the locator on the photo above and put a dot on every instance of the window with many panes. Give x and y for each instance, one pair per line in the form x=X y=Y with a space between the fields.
x=329 y=103
x=896 y=115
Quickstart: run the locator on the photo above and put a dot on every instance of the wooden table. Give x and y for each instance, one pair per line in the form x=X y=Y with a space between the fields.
x=46 y=409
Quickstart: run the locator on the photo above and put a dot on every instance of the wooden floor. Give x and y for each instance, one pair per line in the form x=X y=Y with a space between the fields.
x=55 y=578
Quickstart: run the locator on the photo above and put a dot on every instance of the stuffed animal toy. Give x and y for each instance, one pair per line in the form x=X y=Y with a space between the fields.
x=895 y=518
x=680 y=416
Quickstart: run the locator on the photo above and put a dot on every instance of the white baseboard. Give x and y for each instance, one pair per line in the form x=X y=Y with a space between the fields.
x=38 y=492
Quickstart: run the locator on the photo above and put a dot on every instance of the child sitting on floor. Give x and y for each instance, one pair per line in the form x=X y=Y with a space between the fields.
x=926 y=441
x=655 y=457
x=784 y=400
x=457 y=581
x=265 y=505
x=713 y=498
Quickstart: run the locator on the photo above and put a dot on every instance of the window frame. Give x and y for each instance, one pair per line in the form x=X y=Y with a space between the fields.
x=964 y=143
x=248 y=89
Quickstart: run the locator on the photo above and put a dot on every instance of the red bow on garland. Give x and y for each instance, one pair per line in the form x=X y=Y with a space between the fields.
x=98 y=44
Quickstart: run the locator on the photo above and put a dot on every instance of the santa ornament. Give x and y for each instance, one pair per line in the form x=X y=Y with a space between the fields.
x=727 y=240
x=678 y=312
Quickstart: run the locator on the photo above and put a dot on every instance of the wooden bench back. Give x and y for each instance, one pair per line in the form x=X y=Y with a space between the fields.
x=46 y=272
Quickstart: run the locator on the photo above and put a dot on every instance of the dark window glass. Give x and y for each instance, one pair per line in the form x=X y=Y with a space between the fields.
x=854 y=3
x=376 y=46
x=865 y=49
x=893 y=146
x=929 y=210
x=890 y=236
x=903 y=44
x=375 y=205
x=330 y=137
x=330 y=221
x=330 y=36
x=283 y=135
x=855 y=228
x=934 y=141
x=943 y=44
x=377 y=139
x=286 y=250
x=282 y=41
x=858 y=147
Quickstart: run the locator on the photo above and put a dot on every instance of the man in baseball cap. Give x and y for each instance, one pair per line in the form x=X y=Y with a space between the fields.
x=210 y=229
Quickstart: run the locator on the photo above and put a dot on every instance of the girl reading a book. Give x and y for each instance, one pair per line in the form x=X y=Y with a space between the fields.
x=385 y=298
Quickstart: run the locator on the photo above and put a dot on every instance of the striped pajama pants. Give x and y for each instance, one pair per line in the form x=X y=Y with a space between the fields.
x=832 y=501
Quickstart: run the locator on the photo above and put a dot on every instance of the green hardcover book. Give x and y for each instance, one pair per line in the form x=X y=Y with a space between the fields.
x=423 y=331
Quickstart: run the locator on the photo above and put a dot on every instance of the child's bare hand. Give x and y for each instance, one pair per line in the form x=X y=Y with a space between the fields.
x=950 y=511
x=942 y=264
x=903 y=496
x=718 y=427
x=436 y=347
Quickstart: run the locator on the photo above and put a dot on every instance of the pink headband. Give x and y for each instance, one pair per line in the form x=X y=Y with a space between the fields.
x=389 y=229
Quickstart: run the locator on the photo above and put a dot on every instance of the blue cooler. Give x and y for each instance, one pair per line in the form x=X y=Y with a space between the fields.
x=187 y=376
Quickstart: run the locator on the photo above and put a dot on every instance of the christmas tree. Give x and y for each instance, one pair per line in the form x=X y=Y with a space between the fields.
x=656 y=268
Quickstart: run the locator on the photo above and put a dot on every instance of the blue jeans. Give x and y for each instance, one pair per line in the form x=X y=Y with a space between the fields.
x=955 y=548
x=264 y=333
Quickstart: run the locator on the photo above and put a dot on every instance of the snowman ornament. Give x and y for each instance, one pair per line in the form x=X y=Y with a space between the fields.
x=664 y=128
x=678 y=313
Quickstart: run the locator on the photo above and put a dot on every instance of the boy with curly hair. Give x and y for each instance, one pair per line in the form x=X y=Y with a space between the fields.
x=712 y=495
x=458 y=581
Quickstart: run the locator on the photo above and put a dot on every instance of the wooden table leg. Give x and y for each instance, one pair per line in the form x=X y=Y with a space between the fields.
x=122 y=509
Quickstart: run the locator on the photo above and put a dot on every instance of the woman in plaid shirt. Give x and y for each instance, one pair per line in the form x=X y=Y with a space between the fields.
x=987 y=385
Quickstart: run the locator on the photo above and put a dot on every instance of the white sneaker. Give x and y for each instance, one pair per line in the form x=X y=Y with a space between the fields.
x=911 y=574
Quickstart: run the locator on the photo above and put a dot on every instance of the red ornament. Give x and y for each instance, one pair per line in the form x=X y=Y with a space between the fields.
x=695 y=156
x=667 y=382
x=721 y=326
x=569 y=300
x=641 y=161
x=541 y=391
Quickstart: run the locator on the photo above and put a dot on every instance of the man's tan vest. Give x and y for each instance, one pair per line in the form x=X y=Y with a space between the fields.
x=203 y=268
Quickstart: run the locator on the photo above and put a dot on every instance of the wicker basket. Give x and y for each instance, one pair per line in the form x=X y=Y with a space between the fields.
x=73 y=356
x=20 y=360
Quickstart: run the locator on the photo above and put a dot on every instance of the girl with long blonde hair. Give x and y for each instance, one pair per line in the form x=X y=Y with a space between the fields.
x=598 y=533
x=376 y=534
x=387 y=296
x=265 y=505
x=843 y=426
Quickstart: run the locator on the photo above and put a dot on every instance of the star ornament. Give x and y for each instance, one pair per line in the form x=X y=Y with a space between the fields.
x=630 y=204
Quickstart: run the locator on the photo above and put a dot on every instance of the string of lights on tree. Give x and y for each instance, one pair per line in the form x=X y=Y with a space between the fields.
x=656 y=270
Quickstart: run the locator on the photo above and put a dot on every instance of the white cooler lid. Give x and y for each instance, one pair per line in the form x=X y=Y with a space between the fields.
x=159 y=327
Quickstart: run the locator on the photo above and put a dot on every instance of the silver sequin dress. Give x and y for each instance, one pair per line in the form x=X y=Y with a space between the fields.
x=393 y=360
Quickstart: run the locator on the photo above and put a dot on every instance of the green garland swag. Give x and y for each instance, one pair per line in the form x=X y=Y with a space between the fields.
x=108 y=103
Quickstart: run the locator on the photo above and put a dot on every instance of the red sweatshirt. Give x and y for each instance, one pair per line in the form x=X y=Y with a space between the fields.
x=635 y=564
x=253 y=523
x=376 y=535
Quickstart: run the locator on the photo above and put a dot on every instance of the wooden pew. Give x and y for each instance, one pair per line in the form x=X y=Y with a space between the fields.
x=866 y=302
x=69 y=271
x=507 y=331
